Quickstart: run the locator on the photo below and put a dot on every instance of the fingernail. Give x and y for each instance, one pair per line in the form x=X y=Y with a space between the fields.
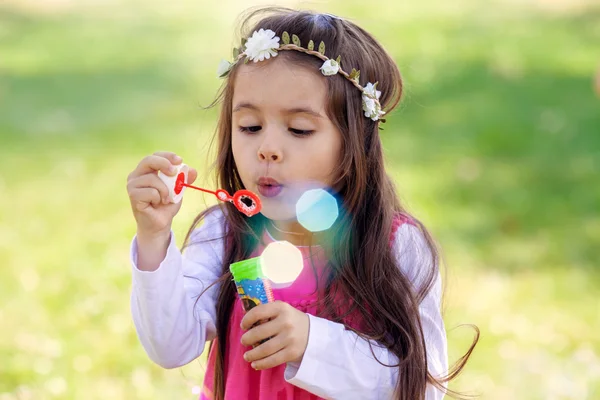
x=253 y=365
x=177 y=158
x=246 y=356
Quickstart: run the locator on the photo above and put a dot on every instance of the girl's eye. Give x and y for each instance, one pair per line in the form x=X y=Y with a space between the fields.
x=301 y=132
x=251 y=129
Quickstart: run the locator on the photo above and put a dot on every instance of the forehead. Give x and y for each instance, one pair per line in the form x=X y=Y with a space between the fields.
x=279 y=84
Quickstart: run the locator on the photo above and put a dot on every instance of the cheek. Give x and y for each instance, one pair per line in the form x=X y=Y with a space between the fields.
x=237 y=156
x=242 y=156
x=332 y=150
x=239 y=149
x=324 y=160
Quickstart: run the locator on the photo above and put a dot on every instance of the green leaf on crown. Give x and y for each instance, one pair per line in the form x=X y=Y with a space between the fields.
x=296 y=40
x=322 y=47
x=285 y=37
x=311 y=45
x=354 y=75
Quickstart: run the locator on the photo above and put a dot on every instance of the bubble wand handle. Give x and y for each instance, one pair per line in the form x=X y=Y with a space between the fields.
x=245 y=201
x=198 y=188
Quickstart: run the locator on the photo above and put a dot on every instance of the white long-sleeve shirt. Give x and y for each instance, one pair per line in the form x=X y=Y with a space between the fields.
x=337 y=363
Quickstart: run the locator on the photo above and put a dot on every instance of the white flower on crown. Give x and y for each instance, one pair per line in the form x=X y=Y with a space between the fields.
x=223 y=68
x=330 y=67
x=371 y=108
x=263 y=44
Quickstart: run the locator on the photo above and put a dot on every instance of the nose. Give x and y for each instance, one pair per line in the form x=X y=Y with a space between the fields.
x=268 y=156
x=269 y=151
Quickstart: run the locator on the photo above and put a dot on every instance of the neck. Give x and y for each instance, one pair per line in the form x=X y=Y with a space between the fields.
x=291 y=231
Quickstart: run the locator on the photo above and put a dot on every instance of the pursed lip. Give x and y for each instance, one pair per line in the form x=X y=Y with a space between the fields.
x=269 y=187
x=267 y=181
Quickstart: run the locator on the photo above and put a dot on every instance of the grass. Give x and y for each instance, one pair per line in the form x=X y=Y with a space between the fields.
x=496 y=147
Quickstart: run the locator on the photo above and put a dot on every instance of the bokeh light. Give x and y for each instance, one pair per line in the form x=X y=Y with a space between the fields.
x=282 y=263
x=317 y=210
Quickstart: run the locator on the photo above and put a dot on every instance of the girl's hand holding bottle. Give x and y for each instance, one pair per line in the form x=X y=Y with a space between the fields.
x=287 y=330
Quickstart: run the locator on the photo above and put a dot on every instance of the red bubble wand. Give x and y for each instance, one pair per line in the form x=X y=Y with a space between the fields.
x=245 y=201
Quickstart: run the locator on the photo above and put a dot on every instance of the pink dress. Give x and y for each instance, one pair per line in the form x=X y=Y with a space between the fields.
x=242 y=381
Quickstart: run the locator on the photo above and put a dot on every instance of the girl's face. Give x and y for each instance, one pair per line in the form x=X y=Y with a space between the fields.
x=283 y=142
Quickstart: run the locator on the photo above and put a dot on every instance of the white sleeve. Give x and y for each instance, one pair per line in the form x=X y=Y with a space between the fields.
x=172 y=327
x=338 y=364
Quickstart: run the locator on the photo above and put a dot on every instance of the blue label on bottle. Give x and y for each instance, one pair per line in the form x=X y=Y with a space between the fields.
x=252 y=293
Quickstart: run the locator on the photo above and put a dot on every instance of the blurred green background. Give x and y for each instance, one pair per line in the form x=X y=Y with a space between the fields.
x=496 y=148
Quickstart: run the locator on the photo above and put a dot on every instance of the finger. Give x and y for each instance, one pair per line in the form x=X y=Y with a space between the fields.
x=281 y=357
x=266 y=349
x=142 y=197
x=172 y=157
x=261 y=332
x=192 y=175
x=261 y=312
x=153 y=163
x=150 y=181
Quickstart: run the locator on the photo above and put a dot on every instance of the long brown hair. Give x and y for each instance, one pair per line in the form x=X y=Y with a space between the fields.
x=379 y=292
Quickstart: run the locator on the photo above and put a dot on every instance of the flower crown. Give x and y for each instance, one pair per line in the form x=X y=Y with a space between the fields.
x=263 y=44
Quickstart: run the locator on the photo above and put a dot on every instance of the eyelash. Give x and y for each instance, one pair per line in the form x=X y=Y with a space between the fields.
x=297 y=132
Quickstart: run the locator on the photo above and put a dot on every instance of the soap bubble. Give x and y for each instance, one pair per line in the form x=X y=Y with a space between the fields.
x=282 y=263
x=316 y=210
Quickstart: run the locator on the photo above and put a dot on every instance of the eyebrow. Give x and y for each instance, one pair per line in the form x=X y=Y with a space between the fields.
x=295 y=110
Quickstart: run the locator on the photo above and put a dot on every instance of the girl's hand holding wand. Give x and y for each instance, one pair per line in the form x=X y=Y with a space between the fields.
x=149 y=196
x=152 y=207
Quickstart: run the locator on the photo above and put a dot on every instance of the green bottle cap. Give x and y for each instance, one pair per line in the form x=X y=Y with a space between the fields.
x=246 y=269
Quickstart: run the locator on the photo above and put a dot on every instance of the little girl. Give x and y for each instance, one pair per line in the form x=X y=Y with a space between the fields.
x=303 y=102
